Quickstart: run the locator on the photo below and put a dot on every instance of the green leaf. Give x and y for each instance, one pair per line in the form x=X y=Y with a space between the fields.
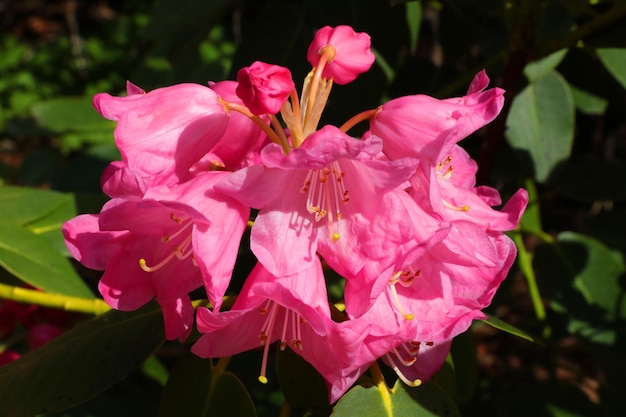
x=541 y=122
x=304 y=388
x=614 y=60
x=81 y=363
x=70 y=114
x=588 y=103
x=34 y=260
x=581 y=278
x=427 y=400
x=22 y=205
x=501 y=325
x=538 y=69
x=194 y=389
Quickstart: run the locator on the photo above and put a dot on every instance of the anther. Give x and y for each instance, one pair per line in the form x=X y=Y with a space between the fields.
x=415 y=383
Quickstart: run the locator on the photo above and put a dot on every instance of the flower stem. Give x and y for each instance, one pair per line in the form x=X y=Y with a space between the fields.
x=356 y=119
x=60 y=301
x=385 y=391
x=258 y=121
x=525 y=265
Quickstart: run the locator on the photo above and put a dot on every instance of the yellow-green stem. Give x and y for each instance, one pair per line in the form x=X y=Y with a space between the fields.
x=525 y=265
x=385 y=391
x=60 y=301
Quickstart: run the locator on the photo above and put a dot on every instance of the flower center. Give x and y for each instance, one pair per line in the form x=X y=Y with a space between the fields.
x=290 y=331
x=444 y=170
x=326 y=194
x=179 y=242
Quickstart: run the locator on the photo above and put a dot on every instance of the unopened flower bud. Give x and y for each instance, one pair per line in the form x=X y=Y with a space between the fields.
x=264 y=88
x=348 y=53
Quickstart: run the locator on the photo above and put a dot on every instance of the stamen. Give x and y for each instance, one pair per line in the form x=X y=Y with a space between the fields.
x=402 y=377
x=396 y=298
x=145 y=267
x=405 y=362
x=326 y=195
x=166 y=238
x=265 y=334
x=456 y=208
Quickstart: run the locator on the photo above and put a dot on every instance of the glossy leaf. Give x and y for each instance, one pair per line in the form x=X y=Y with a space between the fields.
x=427 y=400
x=505 y=327
x=194 y=388
x=614 y=60
x=541 y=122
x=581 y=277
x=304 y=388
x=22 y=205
x=35 y=261
x=81 y=363
x=588 y=103
x=538 y=69
x=70 y=114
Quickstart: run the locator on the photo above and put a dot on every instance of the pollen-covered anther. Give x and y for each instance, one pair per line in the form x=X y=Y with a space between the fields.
x=324 y=197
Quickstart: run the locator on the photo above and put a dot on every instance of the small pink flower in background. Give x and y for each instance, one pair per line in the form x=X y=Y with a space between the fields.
x=42 y=333
x=264 y=88
x=348 y=53
x=8 y=356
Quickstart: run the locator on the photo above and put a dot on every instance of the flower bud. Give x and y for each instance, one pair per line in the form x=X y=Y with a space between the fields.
x=264 y=88
x=348 y=53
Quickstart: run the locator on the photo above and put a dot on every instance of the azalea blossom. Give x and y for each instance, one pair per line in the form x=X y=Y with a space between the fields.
x=325 y=196
x=160 y=243
x=396 y=213
x=292 y=310
x=162 y=133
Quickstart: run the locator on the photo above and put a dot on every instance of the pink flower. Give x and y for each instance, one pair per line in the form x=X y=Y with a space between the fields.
x=429 y=129
x=453 y=195
x=291 y=310
x=423 y=125
x=42 y=333
x=264 y=88
x=163 y=243
x=329 y=195
x=348 y=53
x=162 y=133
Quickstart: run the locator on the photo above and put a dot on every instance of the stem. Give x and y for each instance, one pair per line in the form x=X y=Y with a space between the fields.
x=356 y=119
x=315 y=82
x=385 y=391
x=525 y=265
x=64 y=302
x=258 y=121
x=572 y=38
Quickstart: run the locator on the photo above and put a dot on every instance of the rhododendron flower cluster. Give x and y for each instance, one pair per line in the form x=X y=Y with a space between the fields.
x=395 y=212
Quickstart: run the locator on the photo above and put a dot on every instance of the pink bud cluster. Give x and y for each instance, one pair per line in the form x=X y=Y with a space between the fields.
x=396 y=213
